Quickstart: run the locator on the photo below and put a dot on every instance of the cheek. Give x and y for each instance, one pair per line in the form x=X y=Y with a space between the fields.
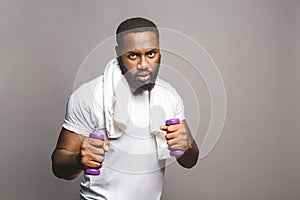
x=154 y=67
x=154 y=64
x=129 y=64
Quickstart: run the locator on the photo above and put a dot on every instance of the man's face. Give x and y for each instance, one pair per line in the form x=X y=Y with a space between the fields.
x=139 y=58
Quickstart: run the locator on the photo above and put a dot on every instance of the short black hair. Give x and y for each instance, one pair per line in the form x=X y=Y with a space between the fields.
x=134 y=25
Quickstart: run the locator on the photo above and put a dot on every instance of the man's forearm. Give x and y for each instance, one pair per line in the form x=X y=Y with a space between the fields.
x=65 y=164
x=190 y=157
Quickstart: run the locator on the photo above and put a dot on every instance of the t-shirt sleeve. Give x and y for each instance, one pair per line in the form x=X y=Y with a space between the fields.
x=80 y=117
x=179 y=106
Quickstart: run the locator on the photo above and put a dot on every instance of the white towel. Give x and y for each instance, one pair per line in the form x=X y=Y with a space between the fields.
x=116 y=100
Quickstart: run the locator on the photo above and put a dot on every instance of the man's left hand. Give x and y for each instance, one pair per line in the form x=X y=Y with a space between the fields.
x=178 y=137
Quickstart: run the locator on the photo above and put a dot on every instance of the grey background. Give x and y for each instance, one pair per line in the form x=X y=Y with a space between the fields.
x=255 y=44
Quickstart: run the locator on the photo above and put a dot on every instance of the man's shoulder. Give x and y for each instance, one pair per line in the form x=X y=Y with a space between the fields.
x=90 y=91
x=165 y=87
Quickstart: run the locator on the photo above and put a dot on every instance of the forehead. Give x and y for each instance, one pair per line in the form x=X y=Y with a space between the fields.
x=139 y=41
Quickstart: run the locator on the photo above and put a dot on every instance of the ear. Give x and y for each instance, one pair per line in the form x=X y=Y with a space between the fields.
x=117 y=49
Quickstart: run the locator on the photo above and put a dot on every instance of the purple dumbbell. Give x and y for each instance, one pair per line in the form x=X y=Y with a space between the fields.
x=172 y=122
x=99 y=136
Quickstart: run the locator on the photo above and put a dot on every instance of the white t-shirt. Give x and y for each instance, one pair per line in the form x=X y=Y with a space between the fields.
x=131 y=169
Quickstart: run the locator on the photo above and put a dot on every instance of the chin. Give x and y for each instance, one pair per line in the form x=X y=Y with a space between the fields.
x=146 y=87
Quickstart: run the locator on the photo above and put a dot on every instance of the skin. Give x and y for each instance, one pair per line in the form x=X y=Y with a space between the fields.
x=140 y=54
x=74 y=152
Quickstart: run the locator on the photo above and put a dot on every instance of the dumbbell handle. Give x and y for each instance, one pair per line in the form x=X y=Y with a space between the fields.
x=172 y=122
x=99 y=136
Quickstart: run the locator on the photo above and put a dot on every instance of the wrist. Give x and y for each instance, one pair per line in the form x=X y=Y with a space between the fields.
x=191 y=145
x=78 y=165
x=189 y=148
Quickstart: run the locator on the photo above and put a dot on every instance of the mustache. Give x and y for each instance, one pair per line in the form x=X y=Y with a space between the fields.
x=142 y=72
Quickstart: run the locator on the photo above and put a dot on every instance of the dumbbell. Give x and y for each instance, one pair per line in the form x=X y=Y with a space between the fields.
x=172 y=122
x=99 y=136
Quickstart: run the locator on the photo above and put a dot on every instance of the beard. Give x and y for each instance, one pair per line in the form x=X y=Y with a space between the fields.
x=138 y=87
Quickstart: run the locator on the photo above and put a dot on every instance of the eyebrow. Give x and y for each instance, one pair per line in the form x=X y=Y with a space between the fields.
x=134 y=52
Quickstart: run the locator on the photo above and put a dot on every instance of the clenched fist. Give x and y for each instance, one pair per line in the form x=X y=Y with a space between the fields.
x=92 y=152
x=178 y=137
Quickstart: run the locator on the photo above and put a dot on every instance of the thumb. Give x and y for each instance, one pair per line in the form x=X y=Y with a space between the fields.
x=164 y=128
x=106 y=145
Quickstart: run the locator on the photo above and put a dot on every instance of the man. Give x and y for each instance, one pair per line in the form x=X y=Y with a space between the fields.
x=131 y=160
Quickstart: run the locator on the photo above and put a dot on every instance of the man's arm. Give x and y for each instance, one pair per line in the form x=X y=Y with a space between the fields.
x=191 y=154
x=66 y=156
x=74 y=153
x=179 y=137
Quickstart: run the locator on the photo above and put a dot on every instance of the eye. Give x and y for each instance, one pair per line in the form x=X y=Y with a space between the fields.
x=151 y=54
x=132 y=56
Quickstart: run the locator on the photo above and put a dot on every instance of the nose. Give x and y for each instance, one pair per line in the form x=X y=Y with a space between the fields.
x=143 y=64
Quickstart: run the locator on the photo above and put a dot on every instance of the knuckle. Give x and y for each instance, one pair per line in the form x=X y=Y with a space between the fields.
x=101 y=151
x=84 y=161
x=83 y=145
x=174 y=128
x=83 y=153
x=101 y=159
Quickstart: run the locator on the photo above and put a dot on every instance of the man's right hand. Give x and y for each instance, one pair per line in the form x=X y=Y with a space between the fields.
x=74 y=152
x=92 y=152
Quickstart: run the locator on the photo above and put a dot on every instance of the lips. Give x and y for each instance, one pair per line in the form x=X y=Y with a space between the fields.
x=143 y=77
